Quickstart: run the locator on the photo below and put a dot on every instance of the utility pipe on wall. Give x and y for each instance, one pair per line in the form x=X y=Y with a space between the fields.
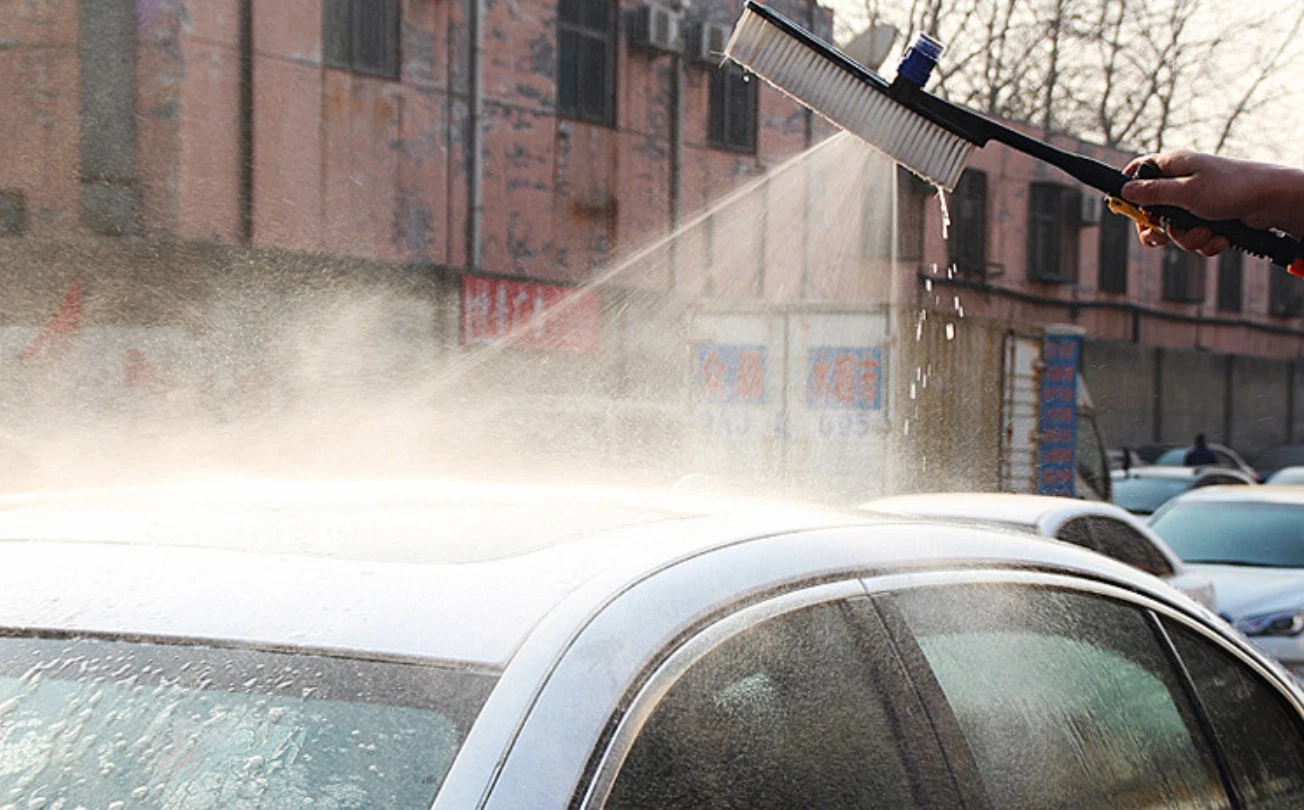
x=474 y=139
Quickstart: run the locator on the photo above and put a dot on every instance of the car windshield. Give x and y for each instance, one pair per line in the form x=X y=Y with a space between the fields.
x=1144 y=495
x=1258 y=534
x=94 y=723
x=1173 y=458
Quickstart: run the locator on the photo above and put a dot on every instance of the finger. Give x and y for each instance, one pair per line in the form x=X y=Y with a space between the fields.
x=1151 y=237
x=1135 y=163
x=1216 y=245
x=1162 y=191
x=1178 y=162
x=1192 y=240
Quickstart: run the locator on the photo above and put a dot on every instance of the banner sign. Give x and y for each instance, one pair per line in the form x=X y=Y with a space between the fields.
x=729 y=374
x=1057 y=459
x=530 y=315
x=844 y=377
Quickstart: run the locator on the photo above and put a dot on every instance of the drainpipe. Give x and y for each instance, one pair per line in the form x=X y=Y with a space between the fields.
x=808 y=202
x=675 y=149
x=474 y=141
x=245 y=149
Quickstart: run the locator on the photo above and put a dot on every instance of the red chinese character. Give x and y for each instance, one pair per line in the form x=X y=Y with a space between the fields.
x=819 y=379
x=844 y=378
x=713 y=370
x=751 y=377
x=867 y=380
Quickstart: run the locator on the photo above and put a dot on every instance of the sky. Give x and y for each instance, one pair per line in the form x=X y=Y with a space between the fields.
x=1280 y=129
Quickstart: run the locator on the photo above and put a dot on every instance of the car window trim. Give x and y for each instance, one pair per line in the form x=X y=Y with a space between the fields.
x=1094 y=521
x=1170 y=652
x=1281 y=680
x=955 y=746
x=647 y=693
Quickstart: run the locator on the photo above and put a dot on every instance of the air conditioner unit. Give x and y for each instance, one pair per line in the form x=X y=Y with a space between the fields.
x=655 y=28
x=708 y=45
x=1093 y=208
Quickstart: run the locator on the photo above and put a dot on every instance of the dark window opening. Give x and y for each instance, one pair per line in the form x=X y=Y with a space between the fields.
x=1183 y=276
x=13 y=213
x=1231 y=272
x=968 y=236
x=1285 y=294
x=1115 y=239
x=1053 y=215
x=361 y=36
x=912 y=195
x=586 y=70
x=732 y=118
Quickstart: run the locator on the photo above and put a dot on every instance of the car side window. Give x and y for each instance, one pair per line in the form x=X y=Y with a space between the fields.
x=1064 y=700
x=1075 y=531
x=1120 y=541
x=1258 y=730
x=783 y=715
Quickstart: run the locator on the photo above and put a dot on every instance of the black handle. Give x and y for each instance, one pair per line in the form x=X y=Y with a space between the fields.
x=1277 y=248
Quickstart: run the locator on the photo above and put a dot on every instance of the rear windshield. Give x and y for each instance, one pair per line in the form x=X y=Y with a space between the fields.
x=1145 y=495
x=107 y=724
x=1266 y=534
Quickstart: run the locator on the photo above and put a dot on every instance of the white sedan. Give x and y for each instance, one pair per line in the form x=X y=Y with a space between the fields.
x=1102 y=527
x=407 y=645
x=1250 y=542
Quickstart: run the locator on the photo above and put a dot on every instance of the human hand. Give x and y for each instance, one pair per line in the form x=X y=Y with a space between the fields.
x=1261 y=195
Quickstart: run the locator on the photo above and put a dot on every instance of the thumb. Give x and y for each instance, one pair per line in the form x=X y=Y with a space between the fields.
x=1161 y=191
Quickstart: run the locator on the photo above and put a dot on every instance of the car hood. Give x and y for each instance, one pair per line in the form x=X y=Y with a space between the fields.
x=1245 y=591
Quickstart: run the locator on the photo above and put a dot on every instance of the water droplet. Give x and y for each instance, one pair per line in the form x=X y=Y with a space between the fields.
x=950 y=331
x=912 y=390
x=919 y=331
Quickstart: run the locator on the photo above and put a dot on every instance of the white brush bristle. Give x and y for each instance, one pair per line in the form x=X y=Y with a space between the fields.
x=934 y=153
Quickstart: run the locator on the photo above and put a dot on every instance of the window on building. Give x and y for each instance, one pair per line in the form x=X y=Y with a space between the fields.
x=968 y=237
x=1115 y=239
x=1231 y=270
x=912 y=195
x=586 y=82
x=1183 y=275
x=362 y=36
x=1053 y=215
x=1285 y=294
x=732 y=119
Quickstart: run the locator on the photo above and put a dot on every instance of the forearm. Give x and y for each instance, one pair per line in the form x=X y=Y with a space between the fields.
x=1282 y=204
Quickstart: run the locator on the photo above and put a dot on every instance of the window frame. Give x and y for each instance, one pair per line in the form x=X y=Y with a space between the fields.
x=1094 y=526
x=967 y=245
x=1156 y=613
x=1184 y=276
x=1115 y=243
x=1285 y=294
x=353 y=64
x=724 y=84
x=921 y=748
x=574 y=108
x=1053 y=231
x=1231 y=281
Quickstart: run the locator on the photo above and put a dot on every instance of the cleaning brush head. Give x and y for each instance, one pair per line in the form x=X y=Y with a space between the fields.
x=848 y=94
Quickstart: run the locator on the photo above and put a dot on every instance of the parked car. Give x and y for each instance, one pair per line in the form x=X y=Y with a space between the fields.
x=1250 y=542
x=1142 y=490
x=1287 y=475
x=413 y=645
x=1098 y=526
x=1271 y=459
x=1227 y=457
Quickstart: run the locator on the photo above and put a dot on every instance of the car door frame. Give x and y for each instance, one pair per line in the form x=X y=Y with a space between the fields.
x=934 y=782
x=1153 y=612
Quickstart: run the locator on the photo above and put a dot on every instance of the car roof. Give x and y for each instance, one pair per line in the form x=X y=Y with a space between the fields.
x=69 y=562
x=998 y=507
x=1176 y=473
x=1277 y=493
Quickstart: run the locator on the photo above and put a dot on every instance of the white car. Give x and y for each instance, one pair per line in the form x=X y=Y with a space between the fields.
x=1101 y=527
x=1250 y=542
x=408 y=645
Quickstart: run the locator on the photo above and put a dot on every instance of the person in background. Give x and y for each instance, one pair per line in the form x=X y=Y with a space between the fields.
x=1262 y=195
x=1200 y=454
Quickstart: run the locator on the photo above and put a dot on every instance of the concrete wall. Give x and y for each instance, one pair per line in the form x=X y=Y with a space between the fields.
x=1244 y=402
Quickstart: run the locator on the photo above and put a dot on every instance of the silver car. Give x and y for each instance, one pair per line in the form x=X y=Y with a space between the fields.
x=1250 y=542
x=1098 y=526
x=408 y=645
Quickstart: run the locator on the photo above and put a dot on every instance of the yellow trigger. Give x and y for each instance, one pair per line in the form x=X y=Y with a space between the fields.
x=1139 y=215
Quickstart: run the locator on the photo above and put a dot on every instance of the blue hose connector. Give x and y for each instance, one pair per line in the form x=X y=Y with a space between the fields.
x=920 y=59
